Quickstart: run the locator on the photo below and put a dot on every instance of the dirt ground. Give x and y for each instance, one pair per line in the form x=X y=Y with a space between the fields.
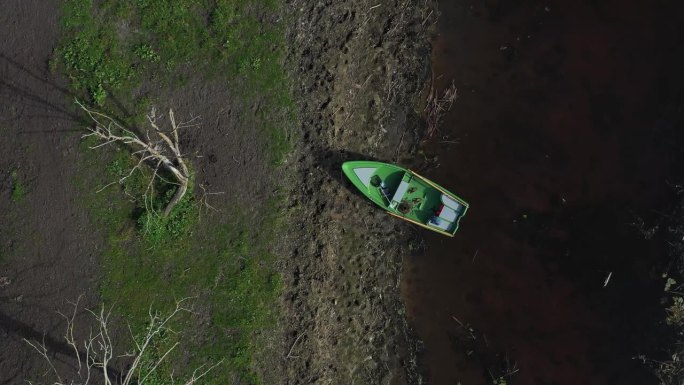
x=49 y=253
x=361 y=67
x=357 y=68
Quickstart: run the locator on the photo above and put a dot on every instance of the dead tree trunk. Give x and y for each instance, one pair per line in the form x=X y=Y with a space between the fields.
x=160 y=149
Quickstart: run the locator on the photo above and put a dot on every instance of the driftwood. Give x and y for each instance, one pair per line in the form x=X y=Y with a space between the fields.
x=437 y=106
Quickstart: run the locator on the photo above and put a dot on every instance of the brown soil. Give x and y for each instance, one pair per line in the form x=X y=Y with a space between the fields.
x=359 y=68
x=49 y=247
x=45 y=240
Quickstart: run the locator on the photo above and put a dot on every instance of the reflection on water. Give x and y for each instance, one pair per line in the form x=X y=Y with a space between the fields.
x=563 y=129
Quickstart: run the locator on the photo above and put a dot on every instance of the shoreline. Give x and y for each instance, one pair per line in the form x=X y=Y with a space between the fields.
x=361 y=73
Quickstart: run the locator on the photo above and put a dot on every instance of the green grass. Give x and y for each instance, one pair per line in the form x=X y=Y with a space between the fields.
x=234 y=284
x=220 y=260
x=92 y=56
x=157 y=229
x=19 y=189
x=110 y=51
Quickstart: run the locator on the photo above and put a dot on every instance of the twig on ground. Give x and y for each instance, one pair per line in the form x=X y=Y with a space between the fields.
x=605 y=283
x=289 y=354
x=456 y=319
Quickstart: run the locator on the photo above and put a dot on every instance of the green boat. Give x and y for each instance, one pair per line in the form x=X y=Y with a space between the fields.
x=407 y=195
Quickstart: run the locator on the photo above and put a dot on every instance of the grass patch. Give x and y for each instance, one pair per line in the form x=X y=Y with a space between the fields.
x=19 y=189
x=157 y=229
x=222 y=260
x=110 y=51
x=92 y=56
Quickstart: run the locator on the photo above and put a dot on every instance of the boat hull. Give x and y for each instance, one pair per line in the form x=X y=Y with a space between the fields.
x=407 y=195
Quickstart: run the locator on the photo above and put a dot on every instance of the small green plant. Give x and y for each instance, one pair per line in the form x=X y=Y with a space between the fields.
x=250 y=65
x=118 y=166
x=146 y=53
x=157 y=229
x=98 y=94
x=18 y=186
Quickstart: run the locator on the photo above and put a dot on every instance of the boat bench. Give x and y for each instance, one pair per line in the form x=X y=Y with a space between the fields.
x=440 y=223
x=401 y=191
x=447 y=213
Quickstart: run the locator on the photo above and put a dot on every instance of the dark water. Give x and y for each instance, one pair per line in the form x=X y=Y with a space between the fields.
x=567 y=132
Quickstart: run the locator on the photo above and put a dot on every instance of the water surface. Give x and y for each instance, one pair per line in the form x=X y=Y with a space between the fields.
x=564 y=129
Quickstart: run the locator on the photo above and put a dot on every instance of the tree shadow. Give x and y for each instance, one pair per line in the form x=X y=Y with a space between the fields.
x=54 y=346
x=51 y=109
x=30 y=97
x=57 y=348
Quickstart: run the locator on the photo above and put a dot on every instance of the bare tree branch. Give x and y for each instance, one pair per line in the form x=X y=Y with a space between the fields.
x=157 y=149
x=98 y=350
x=42 y=350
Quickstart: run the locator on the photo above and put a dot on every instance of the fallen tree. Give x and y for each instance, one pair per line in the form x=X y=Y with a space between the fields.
x=95 y=354
x=155 y=147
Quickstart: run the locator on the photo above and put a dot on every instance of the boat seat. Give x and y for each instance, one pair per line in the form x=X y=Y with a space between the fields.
x=439 y=223
x=447 y=213
x=399 y=194
x=451 y=203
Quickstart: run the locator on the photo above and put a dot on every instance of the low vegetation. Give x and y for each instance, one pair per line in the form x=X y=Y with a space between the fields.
x=111 y=53
x=670 y=368
x=18 y=186
x=217 y=258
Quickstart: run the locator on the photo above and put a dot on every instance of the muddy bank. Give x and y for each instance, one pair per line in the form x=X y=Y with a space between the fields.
x=358 y=68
